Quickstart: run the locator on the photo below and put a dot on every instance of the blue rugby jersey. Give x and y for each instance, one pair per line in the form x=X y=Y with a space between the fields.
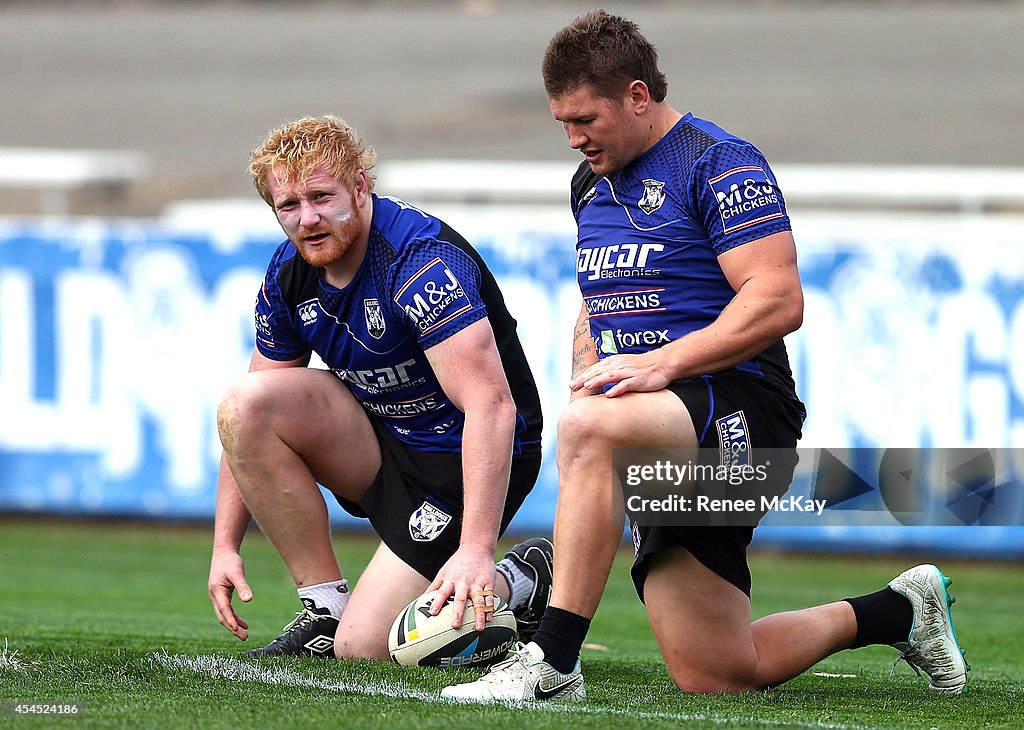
x=420 y=282
x=650 y=235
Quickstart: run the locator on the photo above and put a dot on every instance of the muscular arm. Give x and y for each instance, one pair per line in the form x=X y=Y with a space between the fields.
x=468 y=367
x=767 y=306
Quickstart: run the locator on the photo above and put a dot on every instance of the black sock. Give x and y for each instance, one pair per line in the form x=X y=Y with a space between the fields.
x=883 y=617
x=561 y=636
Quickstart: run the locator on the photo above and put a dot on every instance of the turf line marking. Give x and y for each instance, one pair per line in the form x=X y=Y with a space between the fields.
x=9 y=660
x=228 y=667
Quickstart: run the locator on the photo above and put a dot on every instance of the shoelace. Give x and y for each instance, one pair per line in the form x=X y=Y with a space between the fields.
x=519 y=656
x=304 y=618
x=525 y=623
x=905 y=657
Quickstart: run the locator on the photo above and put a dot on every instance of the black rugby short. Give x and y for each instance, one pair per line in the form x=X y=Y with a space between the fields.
x=773 y=421
x=415 y=502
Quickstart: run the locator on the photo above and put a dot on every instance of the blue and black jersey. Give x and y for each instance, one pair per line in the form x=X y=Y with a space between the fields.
x=651 y=233
x=420 y=282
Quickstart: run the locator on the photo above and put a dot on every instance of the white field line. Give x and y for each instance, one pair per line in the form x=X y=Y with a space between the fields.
x=228 y=667
x=9 y=661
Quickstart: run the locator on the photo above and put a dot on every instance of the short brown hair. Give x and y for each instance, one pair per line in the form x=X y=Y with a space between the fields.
x=604 y=51
x=292 y=151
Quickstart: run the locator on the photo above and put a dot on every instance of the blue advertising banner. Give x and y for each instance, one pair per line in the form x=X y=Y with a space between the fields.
x=117 y=340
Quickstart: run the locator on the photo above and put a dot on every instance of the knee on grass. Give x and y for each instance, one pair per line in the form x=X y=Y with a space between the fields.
x=350 y=647
x=693 y=681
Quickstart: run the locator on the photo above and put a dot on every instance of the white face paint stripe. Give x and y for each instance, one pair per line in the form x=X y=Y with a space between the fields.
x=228 y=667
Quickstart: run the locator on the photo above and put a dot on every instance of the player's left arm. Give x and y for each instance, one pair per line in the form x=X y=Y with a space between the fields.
x=767 y=306
x=469 y=368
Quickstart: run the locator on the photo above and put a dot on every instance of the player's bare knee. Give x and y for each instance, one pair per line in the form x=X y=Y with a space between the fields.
x=581 y=426
x=228 y=421
x=235 y=412
x=349 y=647
x=729 y=673
x=693 y=681
x=343 y=650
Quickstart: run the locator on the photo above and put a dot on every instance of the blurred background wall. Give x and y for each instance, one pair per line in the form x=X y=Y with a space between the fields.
x=194 y=85
x=131 y=243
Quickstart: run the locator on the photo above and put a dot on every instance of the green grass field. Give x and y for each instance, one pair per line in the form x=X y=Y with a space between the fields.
x=116 y=617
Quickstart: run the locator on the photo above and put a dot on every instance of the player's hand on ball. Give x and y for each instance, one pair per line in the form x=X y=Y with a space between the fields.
x=419 y=639
x=468 y=575
x=227 y=573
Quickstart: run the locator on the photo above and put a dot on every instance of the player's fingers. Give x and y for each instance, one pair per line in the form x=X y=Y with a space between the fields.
x=459 y=605
x=220 y=596
x=242 y=631
x=605 y=372
x=223 y=619
x=222 y=607
x=623 y=386
x=230 y=621
x=599 y=381
x=588 y=373
x=446 y=589
x=483 y=607
x=479 y=610
x=244 y=592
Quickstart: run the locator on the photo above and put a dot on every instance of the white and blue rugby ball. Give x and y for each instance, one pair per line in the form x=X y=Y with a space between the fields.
x=418 y=639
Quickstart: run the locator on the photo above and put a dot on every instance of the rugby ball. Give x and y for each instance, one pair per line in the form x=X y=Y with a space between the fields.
x=418 y=639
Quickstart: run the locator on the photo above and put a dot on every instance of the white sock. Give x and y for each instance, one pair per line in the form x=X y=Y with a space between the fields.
x=332 y=596
x=520 y=583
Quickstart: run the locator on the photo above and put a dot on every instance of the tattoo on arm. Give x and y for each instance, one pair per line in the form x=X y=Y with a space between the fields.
x=583 y=350
x=580 y=361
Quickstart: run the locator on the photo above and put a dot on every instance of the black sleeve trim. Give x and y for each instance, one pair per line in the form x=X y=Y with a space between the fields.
x=298 y=282
x=582 y=183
